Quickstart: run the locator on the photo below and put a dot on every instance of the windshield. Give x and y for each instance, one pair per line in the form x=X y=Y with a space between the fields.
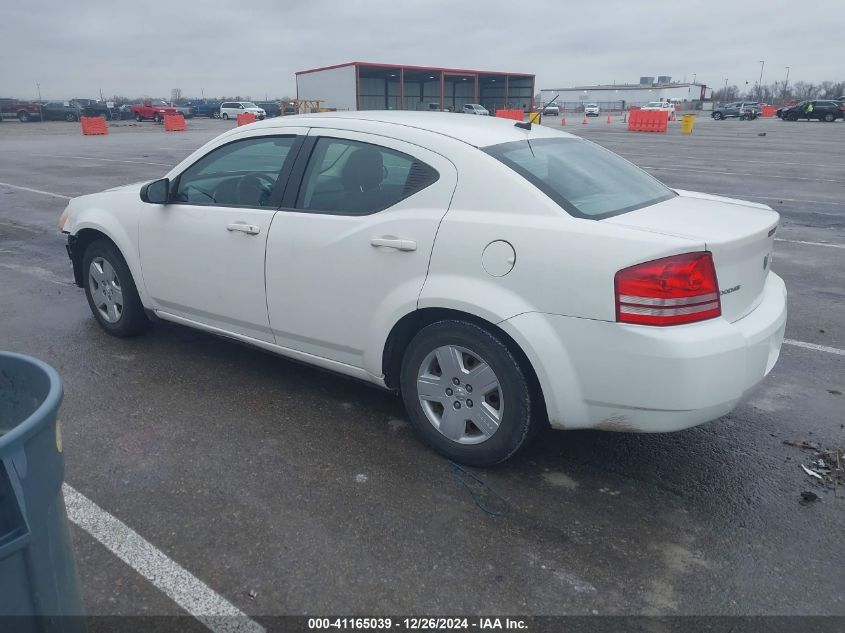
x=588 y=181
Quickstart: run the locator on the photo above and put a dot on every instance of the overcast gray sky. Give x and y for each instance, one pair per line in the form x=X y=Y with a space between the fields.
x=74 y=49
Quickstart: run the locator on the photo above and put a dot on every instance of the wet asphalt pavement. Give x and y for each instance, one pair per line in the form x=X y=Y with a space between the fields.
x=310 y=491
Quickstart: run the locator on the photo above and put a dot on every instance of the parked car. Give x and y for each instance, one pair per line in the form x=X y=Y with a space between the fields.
x=21 y=110
x=289 y=109
x=661 y=106
x=185 y=110
x=231 y=109
x=152 y=109
x=91 y=107
x=475 y=108
x=822 y=110
x=271 y=108
x=446 y=238
x=551 y=109
x=591 y=109
x=60 y=111
x=736 y=109
x=210 y=109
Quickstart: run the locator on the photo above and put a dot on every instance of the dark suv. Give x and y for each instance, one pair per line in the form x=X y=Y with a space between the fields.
x=823 y=110
x=737 y=109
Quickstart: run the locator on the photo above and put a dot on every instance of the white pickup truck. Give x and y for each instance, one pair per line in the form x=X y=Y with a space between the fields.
x=665 y=106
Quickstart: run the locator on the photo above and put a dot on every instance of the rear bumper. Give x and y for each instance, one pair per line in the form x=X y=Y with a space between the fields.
x=611 y=376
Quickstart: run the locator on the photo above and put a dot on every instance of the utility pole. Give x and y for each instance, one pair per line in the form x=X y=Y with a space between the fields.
x=785 y=83
x=760 y=81
x=40 y=105
x=725 y=95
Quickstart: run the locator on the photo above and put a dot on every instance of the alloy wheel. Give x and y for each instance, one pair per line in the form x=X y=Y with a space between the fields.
x=460 y=394
x=105 y=288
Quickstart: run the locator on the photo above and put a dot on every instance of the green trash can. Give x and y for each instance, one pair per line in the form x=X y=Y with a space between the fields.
x=39 y=587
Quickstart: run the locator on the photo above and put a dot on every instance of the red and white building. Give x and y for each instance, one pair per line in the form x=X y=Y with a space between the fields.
x=369 y=86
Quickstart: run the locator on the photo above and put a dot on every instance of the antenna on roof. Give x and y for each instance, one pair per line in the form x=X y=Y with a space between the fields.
x=525 y=125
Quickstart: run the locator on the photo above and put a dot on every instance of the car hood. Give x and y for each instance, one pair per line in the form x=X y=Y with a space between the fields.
x=135 y=185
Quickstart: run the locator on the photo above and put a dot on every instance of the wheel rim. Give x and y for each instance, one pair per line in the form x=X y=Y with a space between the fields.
x=460 y=394
x=106 y=293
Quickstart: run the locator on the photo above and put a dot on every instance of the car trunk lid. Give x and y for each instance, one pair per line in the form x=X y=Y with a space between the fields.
x=739 y=234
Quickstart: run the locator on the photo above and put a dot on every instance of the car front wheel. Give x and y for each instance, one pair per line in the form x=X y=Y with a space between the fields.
x=718 y=116
x=111 y=292
x=466 y=394
x=829 y=118
x=225 y=116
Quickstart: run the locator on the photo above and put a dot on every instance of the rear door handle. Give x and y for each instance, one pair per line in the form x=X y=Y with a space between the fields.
x=243 y=227
x=394 y=242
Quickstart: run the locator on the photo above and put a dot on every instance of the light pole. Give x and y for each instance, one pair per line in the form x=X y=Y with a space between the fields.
x=40 y=106
x=760 y=81
x=785 y=82
x=725 y=94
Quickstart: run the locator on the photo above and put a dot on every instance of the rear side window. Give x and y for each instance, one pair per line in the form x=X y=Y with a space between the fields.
x=588 y=181
x=353 y=178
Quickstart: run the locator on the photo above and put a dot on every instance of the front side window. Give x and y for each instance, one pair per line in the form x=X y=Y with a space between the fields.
x=586 y=180
x=353 y=178
x=243 y=173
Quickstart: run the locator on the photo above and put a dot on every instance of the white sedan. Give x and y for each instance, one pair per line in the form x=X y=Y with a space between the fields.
x=500 y=276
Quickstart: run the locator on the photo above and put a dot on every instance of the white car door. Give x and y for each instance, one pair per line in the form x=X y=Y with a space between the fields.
x=202 y=255
x=348 y=252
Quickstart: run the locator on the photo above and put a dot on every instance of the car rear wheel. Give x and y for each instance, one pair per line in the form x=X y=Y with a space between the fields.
x=718 y=116
x=793 y=116
x=23 y=117
x=111 y=292
x=466 y=394
x=139 y=118
x=829 y=118
x=70 y=117
x=157 y=118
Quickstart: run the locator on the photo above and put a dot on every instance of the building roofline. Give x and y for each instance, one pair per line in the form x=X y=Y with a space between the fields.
x=628 y=87
x=465 y=71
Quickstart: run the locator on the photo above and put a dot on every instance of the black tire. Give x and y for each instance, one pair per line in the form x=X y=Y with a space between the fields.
x=157 y=118
x=23 y=116
x=225 y=116
x=718 y=116
x=70 y=117
x=829 y=118
x=138 y=117
x=214 y=115
x=132 y=320
x=516 y=425
x=792 y=116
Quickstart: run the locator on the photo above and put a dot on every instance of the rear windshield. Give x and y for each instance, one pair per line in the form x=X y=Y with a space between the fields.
x=588 y=181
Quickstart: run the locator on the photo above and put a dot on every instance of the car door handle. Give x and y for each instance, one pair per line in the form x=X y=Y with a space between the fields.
x=243 y=227
x=394 y=242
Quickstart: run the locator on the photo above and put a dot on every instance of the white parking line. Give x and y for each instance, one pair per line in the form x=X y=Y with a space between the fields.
x=185 y=589
x=43 y=193
x=778 y=239
x=107 y=160
x=813 y=346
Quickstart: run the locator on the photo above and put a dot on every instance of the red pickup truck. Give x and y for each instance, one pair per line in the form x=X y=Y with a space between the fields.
x=154 y=109
x=21 y=110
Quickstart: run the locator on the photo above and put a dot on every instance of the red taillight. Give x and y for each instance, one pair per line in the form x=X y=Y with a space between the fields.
x=669 y=291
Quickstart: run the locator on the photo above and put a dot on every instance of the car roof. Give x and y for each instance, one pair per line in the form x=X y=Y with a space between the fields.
x=476 y=131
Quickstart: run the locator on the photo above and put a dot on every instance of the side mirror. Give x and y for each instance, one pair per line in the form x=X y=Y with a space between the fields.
x=156 y=192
